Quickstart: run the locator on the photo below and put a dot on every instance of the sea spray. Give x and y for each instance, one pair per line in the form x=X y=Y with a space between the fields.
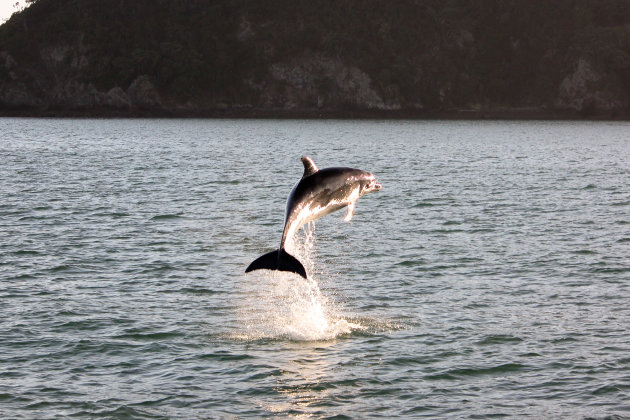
x=280 y=305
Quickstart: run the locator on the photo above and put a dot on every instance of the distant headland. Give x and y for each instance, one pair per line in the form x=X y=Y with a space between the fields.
x=318 y=59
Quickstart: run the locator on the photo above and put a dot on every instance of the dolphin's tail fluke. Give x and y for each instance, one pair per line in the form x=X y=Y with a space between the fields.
x=278 y=260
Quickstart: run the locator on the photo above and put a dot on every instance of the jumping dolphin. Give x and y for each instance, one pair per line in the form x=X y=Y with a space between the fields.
x=318 y=193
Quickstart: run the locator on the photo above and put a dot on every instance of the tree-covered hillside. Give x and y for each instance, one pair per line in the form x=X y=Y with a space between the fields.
x=311 y=57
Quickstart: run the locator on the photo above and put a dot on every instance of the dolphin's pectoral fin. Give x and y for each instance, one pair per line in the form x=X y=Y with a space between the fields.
x=350 y=213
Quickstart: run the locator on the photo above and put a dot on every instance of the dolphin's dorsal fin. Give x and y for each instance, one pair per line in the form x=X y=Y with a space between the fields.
x=309 y=166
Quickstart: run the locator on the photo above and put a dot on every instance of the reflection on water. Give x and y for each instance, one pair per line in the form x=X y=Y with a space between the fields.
x=305 y=382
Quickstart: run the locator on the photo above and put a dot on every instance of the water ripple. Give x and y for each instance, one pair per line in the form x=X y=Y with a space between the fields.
x=489 y=277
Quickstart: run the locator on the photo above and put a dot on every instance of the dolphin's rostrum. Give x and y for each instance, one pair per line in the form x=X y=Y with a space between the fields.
x=318 y=193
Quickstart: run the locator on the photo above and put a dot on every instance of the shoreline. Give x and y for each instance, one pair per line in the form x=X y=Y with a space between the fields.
x=320 y=114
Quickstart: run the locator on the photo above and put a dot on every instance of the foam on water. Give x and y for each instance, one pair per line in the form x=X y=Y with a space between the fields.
x=281 y=305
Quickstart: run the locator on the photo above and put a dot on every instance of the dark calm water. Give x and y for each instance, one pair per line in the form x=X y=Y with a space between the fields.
x=490 y=277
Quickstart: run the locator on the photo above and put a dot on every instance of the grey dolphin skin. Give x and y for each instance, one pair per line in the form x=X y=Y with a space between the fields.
x=318 y=193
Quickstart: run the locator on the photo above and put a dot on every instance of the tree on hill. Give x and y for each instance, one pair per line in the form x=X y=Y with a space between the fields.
x=418 y=55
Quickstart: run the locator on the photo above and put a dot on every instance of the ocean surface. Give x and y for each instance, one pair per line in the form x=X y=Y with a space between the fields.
x=490 y=277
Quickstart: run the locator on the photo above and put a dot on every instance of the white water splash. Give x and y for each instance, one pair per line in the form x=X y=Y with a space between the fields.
x=281 y=305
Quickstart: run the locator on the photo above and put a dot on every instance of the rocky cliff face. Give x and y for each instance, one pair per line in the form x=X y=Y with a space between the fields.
x=586 y=90
x=14 y=92
x=309 y=82
x=209 y=57
x=62 y=87
x=318 y=81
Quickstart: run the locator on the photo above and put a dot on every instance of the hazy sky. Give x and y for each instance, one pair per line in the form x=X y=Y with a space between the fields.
x=7 y=8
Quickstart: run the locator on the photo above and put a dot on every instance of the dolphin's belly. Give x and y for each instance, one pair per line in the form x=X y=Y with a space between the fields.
x=316 y=212
x=304 y=205
x=330 y=201
x=319 y=207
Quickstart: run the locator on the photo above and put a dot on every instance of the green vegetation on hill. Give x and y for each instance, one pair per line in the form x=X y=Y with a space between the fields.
x=319 y=56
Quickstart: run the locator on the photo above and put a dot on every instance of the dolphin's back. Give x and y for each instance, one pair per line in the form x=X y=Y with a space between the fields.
x=318 y=191
x=323 y=187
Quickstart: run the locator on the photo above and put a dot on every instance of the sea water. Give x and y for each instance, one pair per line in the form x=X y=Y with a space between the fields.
x=490 y=277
